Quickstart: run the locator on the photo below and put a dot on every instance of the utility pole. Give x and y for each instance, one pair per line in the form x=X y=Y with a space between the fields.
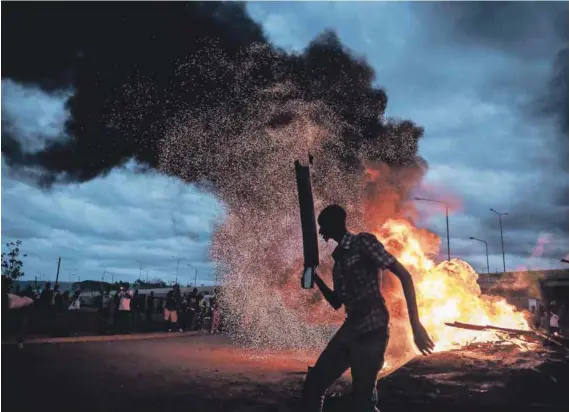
x=486 y=244
x=446 y=213
x=195 y=274
x=58 y=266
x=501 y=236
x=177 y=266
x=141 y=263
x=104 y=272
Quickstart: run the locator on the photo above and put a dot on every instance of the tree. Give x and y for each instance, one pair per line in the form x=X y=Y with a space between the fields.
x=11 y=263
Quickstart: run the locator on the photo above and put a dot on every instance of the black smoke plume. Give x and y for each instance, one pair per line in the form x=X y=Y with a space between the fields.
x=136 y=67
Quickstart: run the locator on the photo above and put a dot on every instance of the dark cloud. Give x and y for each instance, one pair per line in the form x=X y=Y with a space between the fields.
x=133 y=73
x=522 y=28
x=529 y=32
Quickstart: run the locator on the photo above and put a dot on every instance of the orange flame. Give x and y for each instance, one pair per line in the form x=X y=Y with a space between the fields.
x=446 y=292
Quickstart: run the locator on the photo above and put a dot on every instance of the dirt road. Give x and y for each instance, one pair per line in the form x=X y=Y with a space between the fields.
x=208 y=373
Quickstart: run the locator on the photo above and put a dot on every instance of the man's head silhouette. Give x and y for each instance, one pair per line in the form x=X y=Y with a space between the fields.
x=332 y=222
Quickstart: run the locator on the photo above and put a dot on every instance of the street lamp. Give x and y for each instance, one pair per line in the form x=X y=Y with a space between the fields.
x=195 y=275
x=70 y=273
x=501 y=235
x=486 y=244
x=446 y=213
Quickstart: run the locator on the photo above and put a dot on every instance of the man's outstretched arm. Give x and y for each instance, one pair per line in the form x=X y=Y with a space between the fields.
x=382 y=259
x=331 y=296
x=422 y=339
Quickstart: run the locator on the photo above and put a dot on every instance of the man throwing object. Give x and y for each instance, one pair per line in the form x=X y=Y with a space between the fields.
x=360 y=342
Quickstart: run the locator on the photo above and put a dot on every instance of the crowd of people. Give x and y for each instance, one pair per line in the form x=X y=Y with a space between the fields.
x=125 y=310
x=187 y=312
x=121 y=311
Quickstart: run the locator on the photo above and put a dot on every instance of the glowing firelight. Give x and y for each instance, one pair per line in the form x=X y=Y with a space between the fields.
x=447 y=292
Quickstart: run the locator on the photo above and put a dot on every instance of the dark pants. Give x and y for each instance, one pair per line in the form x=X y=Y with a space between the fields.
x=363 y=354
x=103 y=319
x=124 y=320
x=149 y=314
x=191 y=320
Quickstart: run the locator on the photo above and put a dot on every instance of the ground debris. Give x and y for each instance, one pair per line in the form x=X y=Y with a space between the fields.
x=517 y=337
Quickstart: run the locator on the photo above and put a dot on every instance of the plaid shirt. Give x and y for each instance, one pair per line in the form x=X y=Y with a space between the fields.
x=359 y=260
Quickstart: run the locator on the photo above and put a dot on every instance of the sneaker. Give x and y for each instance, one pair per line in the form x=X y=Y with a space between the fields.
x=180 y=330
x=169 y=330
x=20 y=345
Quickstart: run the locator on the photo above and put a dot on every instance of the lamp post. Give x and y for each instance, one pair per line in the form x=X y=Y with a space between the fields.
x=501 y=235
x=104 y=272
x=70 y=273
x=486 y=244
x=446 y=214
x=195 y=274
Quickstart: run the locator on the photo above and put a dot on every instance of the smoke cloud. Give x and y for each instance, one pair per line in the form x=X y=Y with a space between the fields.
x=135 y=74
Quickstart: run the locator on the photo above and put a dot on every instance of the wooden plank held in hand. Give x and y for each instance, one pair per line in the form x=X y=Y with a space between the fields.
x=308 y=224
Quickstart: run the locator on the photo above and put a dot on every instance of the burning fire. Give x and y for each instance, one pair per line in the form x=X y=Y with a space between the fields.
x=446 y=292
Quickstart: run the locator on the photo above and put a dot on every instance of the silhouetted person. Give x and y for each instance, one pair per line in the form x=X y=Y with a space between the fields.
x=65 y=299
x=193 y=309
x=57 y=299
x=553 y=323
x=124 y=312
x=105 y=311
x=16 y=308
x=113 y=311
x=171 y=307
x=29 y=292
x=46 y=297
x=135 y=306
x=149 y=307
x=215 y=315
x=360 y=342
